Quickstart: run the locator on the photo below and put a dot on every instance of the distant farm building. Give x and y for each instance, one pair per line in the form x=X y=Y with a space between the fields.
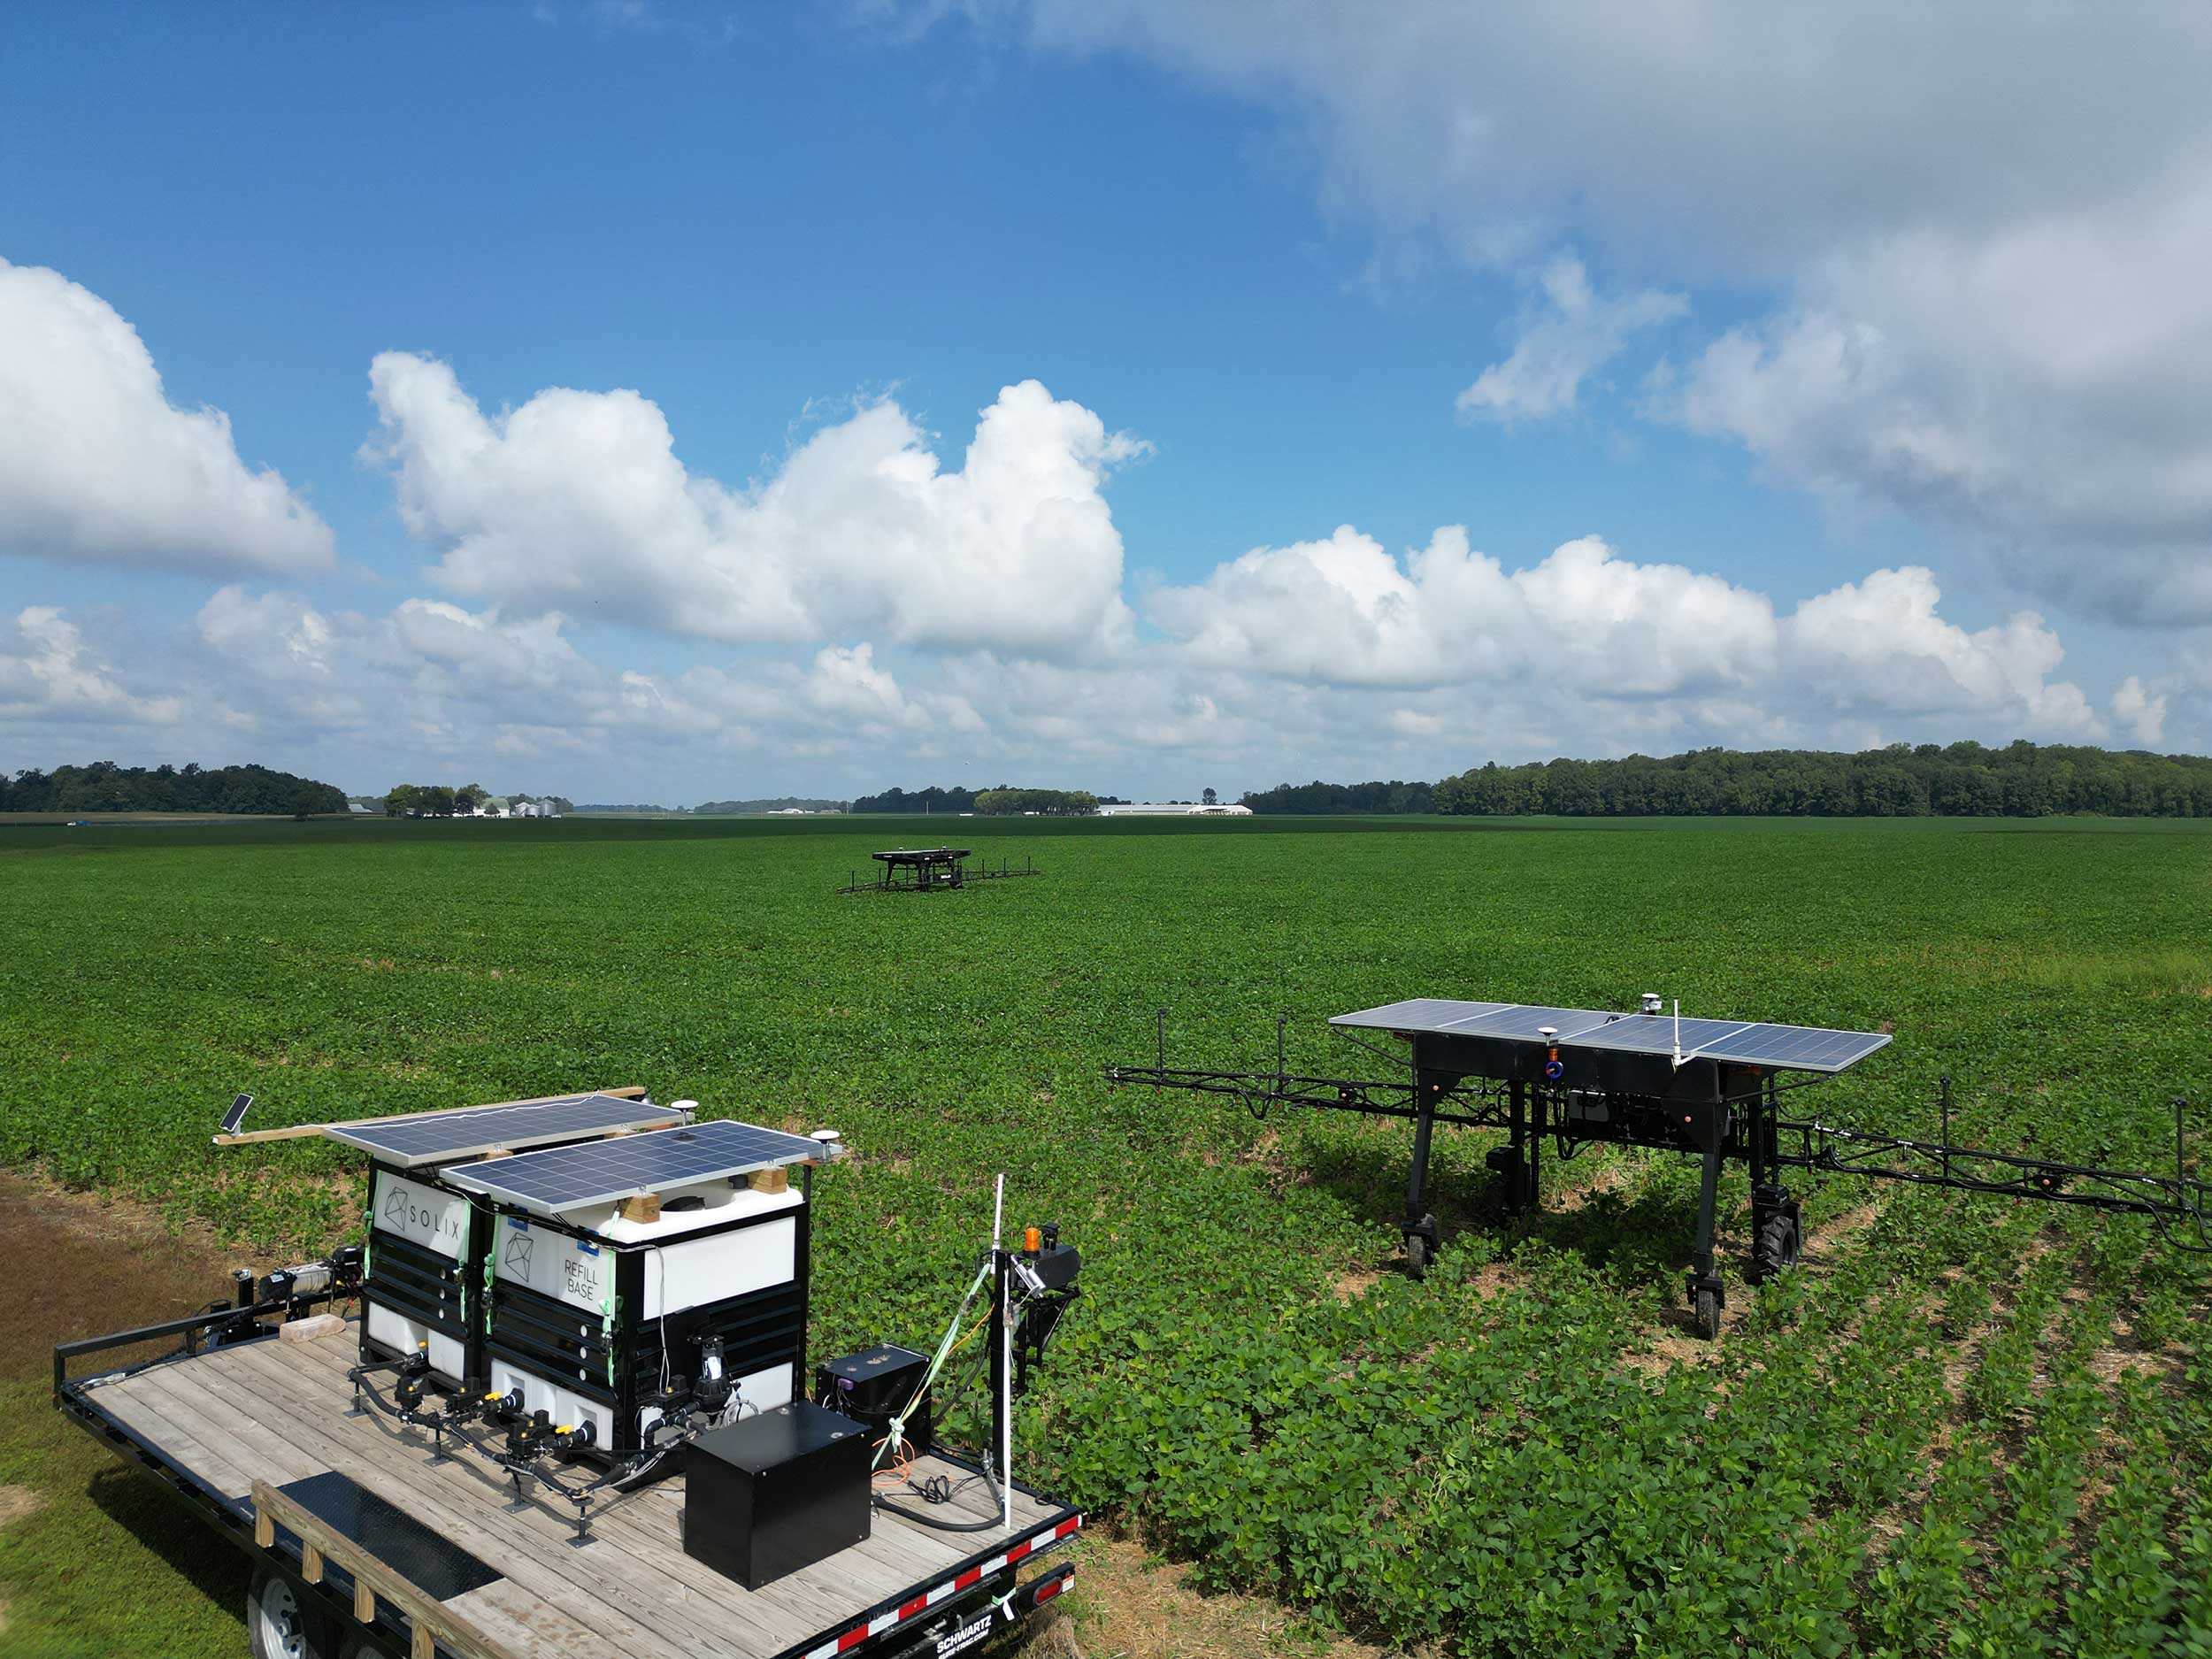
x=1154 y=809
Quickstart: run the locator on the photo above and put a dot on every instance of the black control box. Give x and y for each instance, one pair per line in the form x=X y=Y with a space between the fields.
x=874 y=1385
x=770 y=1493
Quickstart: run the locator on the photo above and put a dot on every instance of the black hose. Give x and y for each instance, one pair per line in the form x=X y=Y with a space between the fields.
x=883 y=1501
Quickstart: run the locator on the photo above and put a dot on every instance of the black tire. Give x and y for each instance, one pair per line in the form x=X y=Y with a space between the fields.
x=1707 y=1314
x=1778 y=1246
x=1417 y=1256
x=280 y=1626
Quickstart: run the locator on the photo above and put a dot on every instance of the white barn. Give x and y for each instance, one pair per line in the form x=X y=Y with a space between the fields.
x=1154 y=809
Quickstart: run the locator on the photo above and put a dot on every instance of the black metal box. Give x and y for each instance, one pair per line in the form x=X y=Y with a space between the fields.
x=873 y=1386
x=769 y=1494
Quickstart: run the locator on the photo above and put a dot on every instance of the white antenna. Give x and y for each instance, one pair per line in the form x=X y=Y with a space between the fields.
x=1677 y=1032
x=1006 y=1370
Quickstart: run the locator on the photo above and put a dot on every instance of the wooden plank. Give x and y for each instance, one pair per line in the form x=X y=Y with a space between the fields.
x=142 y=1412
x=664 y=1500
x=789 y=1611
x=899 y=1554
x=527 y=1624
x=211 y=1409
x=455 y=1631
x=793 y=1608
x=281 y=1410
x=463 y=1499
x=300 y=1132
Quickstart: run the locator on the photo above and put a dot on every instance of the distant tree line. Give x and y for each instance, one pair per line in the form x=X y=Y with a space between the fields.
x=779 y=803
x=2022 y=780
x=1003 y=802
x=1317 y=798
x=930 y=800
x=988 y=802
x=104 y=787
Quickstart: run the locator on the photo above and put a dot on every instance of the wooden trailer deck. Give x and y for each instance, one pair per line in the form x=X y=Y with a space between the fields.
x=277 y=1412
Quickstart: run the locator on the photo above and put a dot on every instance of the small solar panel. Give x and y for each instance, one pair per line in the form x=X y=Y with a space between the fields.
x=470 y=1132
x=563 y=1179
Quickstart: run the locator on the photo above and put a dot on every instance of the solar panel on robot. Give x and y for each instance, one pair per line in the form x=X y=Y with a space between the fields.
x=1651 y=1078
x=422 y=1290
x=594 y=1304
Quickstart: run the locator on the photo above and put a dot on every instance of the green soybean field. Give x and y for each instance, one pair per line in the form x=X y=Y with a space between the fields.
x=1962 y=1426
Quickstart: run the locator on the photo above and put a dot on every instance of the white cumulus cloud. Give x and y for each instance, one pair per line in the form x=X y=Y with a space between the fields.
x=1578 y=334
x=96 y=465
x=1594 y=627
x=1345 y=611
x=49 y=673
x=1973 y=235
x=2142 y=714
x=578 y=498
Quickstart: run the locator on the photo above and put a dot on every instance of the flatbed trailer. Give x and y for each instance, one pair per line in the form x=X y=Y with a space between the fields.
x=367 y=1539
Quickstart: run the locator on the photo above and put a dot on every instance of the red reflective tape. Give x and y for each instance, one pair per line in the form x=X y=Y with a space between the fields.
x=852 y=1639
x=1016 y=1552
x=911 y=1607
x=974 y=1575
x=1067 y=1526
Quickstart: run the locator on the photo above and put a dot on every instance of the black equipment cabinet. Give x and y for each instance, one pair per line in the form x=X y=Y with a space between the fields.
x=769 y=1494
x=423 y=1288
x=606 y=1366
x=873 y=1386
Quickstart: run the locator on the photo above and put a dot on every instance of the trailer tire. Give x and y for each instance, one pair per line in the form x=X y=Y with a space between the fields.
x=280 y=1626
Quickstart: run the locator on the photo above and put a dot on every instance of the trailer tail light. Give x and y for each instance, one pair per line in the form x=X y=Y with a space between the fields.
x=1045 y=1586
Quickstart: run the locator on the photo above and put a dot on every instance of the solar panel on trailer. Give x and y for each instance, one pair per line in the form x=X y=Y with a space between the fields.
x=605 y=1172
x=470 y=1132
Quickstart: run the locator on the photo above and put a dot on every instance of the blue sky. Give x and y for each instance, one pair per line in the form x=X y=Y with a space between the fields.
x=1873 y=452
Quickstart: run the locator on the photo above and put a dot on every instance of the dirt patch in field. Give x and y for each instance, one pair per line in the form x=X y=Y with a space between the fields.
x=82 y=1263
x=2123 y=1354
x=15 y=1503
x=1134 y=1605
x=1353 y=1283
x=1612 y=1177
x=1827 y=1237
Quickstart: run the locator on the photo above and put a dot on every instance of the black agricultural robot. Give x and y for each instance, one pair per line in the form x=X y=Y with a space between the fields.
x=1708 y=1088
